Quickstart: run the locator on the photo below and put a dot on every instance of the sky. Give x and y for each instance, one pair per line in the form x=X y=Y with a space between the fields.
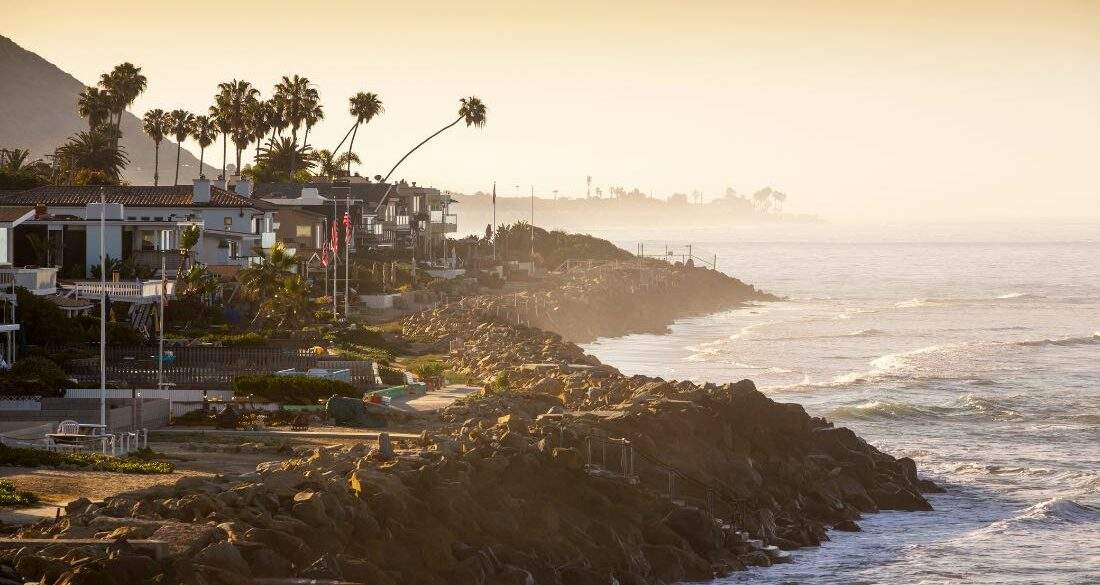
x=877 y=110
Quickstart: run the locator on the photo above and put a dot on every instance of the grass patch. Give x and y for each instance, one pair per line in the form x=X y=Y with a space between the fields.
x=142 y=462
x=9 y=496
x=433 y=365
x=353 y=351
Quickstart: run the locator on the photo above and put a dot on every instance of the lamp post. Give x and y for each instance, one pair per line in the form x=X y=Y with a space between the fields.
x=103 y=307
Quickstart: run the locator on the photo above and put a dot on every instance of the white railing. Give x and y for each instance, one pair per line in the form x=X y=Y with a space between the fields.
x=95 y=288
x=39 y=281
x=402 y=220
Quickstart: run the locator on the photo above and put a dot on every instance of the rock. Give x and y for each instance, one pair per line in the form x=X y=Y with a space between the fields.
x=385 y=446
x=185 y=539
x=846 y=526
x=224 y=556
x=77 y=506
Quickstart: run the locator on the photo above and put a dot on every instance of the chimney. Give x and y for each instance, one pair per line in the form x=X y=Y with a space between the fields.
x=201 y=191
x=243 y=188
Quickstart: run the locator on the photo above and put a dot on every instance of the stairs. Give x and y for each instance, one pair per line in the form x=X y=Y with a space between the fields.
x=141 y=317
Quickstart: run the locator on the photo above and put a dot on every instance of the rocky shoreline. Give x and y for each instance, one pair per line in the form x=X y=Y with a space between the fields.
x=564 y=472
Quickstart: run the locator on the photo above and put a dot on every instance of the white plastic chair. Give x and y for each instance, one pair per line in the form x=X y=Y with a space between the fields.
x=69 y=427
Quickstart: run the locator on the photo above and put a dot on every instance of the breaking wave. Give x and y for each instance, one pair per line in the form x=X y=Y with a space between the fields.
x=1064 y=341
x=1055 y=511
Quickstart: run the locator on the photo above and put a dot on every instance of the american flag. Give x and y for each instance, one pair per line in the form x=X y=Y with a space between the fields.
x=334 y=238
x=347 y=228
x=324 y=256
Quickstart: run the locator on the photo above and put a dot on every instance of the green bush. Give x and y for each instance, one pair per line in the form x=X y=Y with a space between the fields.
x=296 y=389
x=9 y=496
x=391 y=376
x=141 y=464
x=247 y=339
x=364 y=353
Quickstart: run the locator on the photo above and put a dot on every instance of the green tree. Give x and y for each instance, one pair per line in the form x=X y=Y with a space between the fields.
x=470 y=109
x=180 y=124
x=124 y=84
x=330 y=166
x=276 y=161
x=204 y=131
x=232 y=103
x=19 y=171
x=155 y=123
x=262 y=279
x=94 y=105
x=259 y=119
x=91 y=151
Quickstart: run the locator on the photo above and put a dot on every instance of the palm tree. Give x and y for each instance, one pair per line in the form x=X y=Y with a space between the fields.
x=189 y=238
x=280 y=155
x=180 y=123
x=233 y=101
x=276 y=110
x=259 y=116
x=155 y=124
x=261 y=280
x=314 y=114
x=780 y=198
x=19 y=171
x=224 y=127
x=95 y=105
x=470 y=109
x=762 y=197
x=204 y=131
x=91 y=151
x=364 y=106
x=297 y=98
x=333 y=166
x=197 y=281
x=124 y=84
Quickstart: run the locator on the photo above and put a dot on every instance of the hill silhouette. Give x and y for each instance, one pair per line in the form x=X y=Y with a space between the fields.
x=38 y=112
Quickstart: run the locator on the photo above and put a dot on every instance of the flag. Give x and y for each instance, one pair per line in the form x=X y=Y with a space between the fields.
x=347 y=228
x=334 y=238
x=164 y=288
x=324 y=256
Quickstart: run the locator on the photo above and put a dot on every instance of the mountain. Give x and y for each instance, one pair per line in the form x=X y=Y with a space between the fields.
x=38 y=112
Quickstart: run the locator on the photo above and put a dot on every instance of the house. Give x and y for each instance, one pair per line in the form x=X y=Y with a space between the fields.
x=398 y=216
x=63 y=230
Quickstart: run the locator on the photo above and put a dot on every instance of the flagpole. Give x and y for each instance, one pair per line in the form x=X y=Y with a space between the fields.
x=494 y=220
x=163 y=295
x=103 y=308
x=347 y=251
x=532 y=228
x=335 y=270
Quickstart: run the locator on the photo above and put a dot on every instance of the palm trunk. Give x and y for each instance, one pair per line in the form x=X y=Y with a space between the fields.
x=351 y=145
x=225 y=142
x=179 y=149
x=156 y=163
x=422 y=143
x=202 y=151
x=238 y=158
x=293 y=151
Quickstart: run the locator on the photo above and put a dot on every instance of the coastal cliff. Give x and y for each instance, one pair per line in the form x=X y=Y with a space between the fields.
x=564 y=471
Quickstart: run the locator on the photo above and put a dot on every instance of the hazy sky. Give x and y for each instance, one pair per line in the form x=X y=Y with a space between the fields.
x=877 y=109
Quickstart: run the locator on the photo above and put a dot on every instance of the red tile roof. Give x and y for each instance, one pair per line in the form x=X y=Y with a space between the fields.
x=131 y=195
x=12 y=213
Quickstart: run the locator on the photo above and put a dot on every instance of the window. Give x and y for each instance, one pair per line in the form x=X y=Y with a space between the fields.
x=303 y=231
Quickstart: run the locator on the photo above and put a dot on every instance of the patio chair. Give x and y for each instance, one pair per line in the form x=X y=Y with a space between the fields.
x=69 y=427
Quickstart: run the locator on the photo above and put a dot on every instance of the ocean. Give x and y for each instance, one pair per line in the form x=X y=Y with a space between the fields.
x=973 y=349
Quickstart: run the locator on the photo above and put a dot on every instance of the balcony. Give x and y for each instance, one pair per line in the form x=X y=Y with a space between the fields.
x=131 y=291
x=39 y=281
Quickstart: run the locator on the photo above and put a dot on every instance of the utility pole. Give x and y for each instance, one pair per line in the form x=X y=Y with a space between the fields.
x=103 y=308
x=532 y=228
x=494 y=220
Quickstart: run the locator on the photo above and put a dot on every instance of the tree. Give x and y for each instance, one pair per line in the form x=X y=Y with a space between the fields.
x=470 y=109
x=204 y=130
x=197 y=282
x=155 y=123
x=780 y=198
x=189 y=238
x=364 y=106
x=180 y=123
x=315 y=114
x=224 y=127
x=274 y=163
x=259 y=118
x=232 y=102
x=331 y=166
x=91 y=151
x=297 y=97
x=19 y=171
x=762 y=198
x=124 y=84
x=94 y=105
x=261 y=280
x=289 y=305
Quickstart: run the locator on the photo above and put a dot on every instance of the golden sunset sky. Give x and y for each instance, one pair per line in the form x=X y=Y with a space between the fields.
x=870 y=109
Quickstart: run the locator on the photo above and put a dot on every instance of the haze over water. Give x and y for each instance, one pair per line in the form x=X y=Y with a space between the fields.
x=973 y=349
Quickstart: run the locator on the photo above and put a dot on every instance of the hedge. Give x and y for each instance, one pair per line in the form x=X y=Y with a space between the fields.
x=296 y=389
x=141 y=463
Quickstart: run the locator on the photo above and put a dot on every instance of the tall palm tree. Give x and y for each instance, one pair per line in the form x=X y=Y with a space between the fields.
x=180 y=123
x=314 y=114
x=276 y=111
x=297 y=97
x=124 y=84
x=259 y=117
x=233 y=101
x=261 y=280
x=364 y=106
x=221 y=120
x=155 y=124
x=94 y=104
x=204 y=131
x=470 y=109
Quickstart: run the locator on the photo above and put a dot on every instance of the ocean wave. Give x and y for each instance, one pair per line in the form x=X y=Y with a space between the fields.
x=878 y=409
x=1055 y=511
x=989 y=407
x=1014 y=296
x=1063 y=341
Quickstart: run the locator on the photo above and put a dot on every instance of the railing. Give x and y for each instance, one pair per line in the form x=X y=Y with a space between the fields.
x=142 y=289
x=40 y=281
x=402 y=220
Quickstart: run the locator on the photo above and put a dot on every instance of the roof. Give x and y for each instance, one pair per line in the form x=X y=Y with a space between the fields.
x=131 y=195
x=285 y=193
x=14 y=213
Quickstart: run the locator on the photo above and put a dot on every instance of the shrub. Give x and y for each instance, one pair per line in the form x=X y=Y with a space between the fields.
x=41 y=369
x=247 y=339
x=391 y=376
x=364 y=353
x=9 y=496
x=142 y=464
x=497 y=384
x=295 y=389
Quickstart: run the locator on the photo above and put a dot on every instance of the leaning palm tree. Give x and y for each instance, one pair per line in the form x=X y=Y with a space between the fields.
x=364 y=106
x=124 y=84
x=155 y=124
x=180 y=124
x=94 y=105
x=471 y=109
x=204 y=131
